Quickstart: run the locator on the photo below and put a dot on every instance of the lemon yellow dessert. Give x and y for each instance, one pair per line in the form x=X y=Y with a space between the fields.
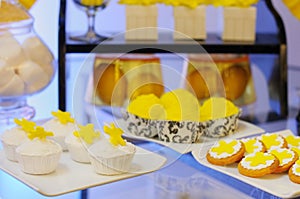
x=112 y=156
x=226 y=152
x=258 y=164
x=78 y=142
x=286 y=158
x=38 y=155
x=217 y=107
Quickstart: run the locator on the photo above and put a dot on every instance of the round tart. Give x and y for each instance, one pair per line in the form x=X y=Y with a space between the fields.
x=294 y=172
x=253 y=145
x=258 y=164
x=226 y=152
x=272 y=141
x=286 y=157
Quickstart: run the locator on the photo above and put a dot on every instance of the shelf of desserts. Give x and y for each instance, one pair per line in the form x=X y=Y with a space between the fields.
x=264 y=44
x=60 y=156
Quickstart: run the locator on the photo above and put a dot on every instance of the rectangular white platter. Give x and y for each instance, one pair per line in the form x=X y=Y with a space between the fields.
x=276 y=184
x=244 y=129
x=72 y=176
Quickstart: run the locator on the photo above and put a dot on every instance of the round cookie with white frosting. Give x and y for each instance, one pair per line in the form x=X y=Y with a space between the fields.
x=273 y=140
x=258 y=164
x=286 y=157
x=294 y=172
x=253 y=145
x=226 y=152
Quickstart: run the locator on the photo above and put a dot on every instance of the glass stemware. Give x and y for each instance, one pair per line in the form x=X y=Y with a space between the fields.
x=91 y=7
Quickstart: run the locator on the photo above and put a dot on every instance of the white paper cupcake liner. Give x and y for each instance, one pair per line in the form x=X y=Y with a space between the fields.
x=10 y=151
x=112 y=166
x=38 y=165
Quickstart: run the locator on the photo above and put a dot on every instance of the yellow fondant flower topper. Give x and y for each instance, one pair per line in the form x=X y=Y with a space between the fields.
x=115 y=135
x=225 y=147
x=40 y=133
x=87 y=133
x=63 y=117
x=260 y=158
x=25 y=125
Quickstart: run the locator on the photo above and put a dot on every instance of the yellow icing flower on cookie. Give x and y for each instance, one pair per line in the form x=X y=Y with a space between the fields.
x=271 y=140
x=63 y=117
x=293 y=140
x=282 y=155
x=259 y=158
x=40 y=133
x=298 y=164
x=250 y=145
x=87 y=133
x=115 y=135
x=26 y=125
x=225 y=147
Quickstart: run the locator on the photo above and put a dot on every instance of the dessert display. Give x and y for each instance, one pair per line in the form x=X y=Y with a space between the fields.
x=38 y=155
x=112 y=156
x=253 y=145
x=15 y=136
x=272 y=141
x=178 y=117
x=258 y=164
x=62 y=124
x=79 y=141
x=226 y=152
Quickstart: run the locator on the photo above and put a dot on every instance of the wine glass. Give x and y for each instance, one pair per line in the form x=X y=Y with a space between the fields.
x=91 y=7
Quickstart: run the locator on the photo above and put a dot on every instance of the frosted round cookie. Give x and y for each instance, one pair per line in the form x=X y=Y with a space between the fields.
x=33 y=75
x=113 y=156
x=78 y=142
x=258 y=164
x=253 y=145
x=286 y=157
x=293 y=141
x=294 y=172
x=226 y=152
x=62 y=124
x=272 y=141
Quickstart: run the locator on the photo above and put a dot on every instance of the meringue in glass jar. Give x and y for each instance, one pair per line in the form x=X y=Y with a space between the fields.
x=26 y=64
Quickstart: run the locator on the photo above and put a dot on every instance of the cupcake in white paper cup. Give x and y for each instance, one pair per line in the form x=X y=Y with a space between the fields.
x=15 y=136
x=112 y=156
x=62 y=124
x=38 y=155
x=79 y=141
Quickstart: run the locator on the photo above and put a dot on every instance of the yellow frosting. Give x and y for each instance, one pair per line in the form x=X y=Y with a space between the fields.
x=91 y=2
x=40 y=133
x=115 y=135
x=139 y=2
x=235 y=3
x=217 y=107
x=225 y=147
x=271 y=140
x=259 y=158
x=298 y=164
x=87 y=133
x=250 y=146
x=282 y=155
x=25 y=125
x=63 y=117
x=293 y=140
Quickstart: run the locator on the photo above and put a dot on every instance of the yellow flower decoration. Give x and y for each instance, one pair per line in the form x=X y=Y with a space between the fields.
x=63 y=117
x=282 y=155
x=250 y=145
x=225 y=147
x=91 y=2
x=115 y=135
x=87 y=133
x=297 y=163
x=40 y=133
x=259 y=158
x=25 y=125
x=270 y=140
x=293 y=140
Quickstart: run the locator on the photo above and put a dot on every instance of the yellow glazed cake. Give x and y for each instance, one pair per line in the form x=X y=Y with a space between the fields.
x=111 y=156
x=225 y=152
x=258 y=164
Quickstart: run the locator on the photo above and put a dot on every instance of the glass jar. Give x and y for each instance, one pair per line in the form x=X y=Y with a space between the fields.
x=26 y=64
